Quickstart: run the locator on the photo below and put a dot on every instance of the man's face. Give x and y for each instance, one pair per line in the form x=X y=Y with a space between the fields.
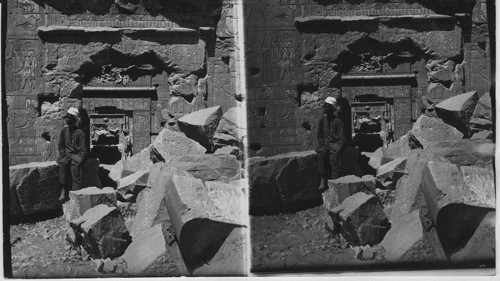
x=69 y=119
x=328 y=108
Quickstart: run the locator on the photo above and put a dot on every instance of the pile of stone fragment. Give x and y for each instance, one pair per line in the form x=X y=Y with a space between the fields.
x=431 y=197
x=176 y=208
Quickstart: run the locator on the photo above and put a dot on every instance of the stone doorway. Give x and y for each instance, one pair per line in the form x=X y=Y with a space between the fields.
x=381 y=105
x=110 y=111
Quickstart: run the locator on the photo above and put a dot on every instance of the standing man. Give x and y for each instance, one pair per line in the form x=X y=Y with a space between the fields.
x=331 y=139
x=128 y=144
x=72 y=152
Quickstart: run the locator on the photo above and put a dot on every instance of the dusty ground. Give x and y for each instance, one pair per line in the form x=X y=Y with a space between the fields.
x=298 y=241
x=39 y=250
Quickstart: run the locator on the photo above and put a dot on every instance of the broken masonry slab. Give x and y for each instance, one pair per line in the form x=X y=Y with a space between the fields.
x=483 y=107
x=201 y=125
x=362 y=218
x=341 y=188
x=102 y=232
x=409 y=194
x=146 y=249
x=457 y=111
x=170 y=144
x=208 y=167
x=283 y=179
x=457 y=206
x=34 y=188
x=231 y=125
x=429 y=130
x=152 y=208
x=202 y=220
x=465 y=152
x=408 y=240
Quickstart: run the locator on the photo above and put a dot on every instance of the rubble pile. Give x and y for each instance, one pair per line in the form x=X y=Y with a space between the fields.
x=433 y=195
x=174 y=209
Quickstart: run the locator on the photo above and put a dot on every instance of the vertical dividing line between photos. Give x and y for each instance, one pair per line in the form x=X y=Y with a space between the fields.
x=242 y=120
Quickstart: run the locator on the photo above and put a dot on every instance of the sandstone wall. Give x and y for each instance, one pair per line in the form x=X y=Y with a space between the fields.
x=184 y=50
x=300 y=51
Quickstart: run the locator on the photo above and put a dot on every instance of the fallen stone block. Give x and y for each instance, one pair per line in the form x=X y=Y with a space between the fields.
x=231 y=125
x=457 y=111
x=202 y=218
x=201 y=125
x=112 y=173
x=133 y=183
x=209 y=167
x=90 y=173
x=456 y=204
x=465 y=152
x=482 y=135
x=429 y=130
x=230 y=259
x=139 y=161
x=171 y=144
x=34 y=188
x=145 y=253
x=392 y=171
x=152 y=208
x=362 y=219
x=409 y=195
x=409 y=240
x=80 y=201
x=481 y=246
x=483 y=107
x=341 y=188
x=283 y=179
x=102 y=232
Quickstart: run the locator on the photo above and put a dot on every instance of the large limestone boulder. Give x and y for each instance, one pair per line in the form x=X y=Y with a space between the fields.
x=202 y=218
x=80 y=201
x=409 y=195
x=410 y=239
x=465 y=152
x=457 y=201
x=34 y=188
x=171 y=144
x=341 y=188
x=201 y=125
x=362 y=218
x=152 y=206
x=429 y=130
x=102 y=232
x=148 y=251
x=209 y=167
x=283 y=179
x=457 y=111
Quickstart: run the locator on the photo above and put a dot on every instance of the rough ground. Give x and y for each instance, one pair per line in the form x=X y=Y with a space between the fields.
x=39 y=250
x=298 y=242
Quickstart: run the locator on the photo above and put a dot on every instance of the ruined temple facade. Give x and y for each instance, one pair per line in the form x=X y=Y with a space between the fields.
x=136 y=65
x=386 y=58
